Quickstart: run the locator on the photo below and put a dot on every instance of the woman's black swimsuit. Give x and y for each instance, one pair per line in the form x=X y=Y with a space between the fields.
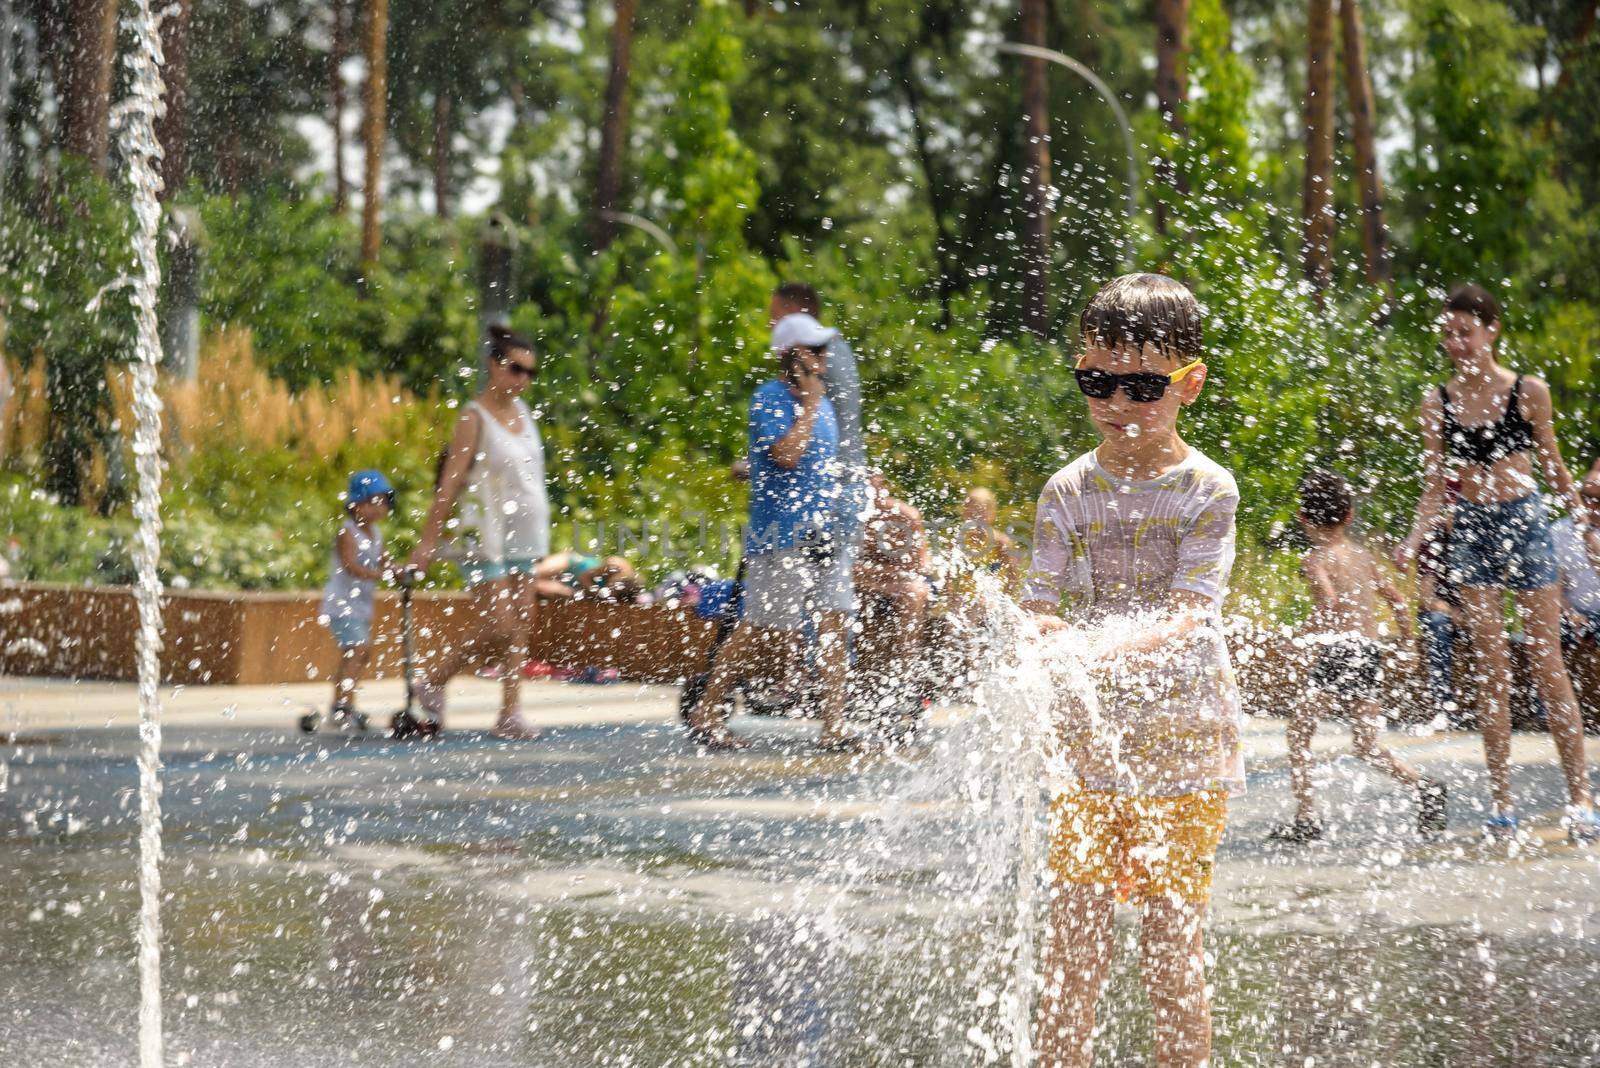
x=1491 y=442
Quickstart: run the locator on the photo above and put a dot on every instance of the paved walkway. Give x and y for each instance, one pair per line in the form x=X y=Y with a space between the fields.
x=606 y=896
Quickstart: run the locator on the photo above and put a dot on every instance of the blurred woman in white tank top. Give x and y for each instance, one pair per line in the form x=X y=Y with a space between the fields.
x=495 y=466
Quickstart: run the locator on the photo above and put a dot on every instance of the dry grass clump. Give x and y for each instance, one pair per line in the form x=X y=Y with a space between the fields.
x=233 y=404
x=24 y=418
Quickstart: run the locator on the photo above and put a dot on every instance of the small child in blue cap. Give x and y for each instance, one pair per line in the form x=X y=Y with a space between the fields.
x=359 y=563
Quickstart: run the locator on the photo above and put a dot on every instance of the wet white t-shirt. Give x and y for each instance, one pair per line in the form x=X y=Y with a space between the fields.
x=1580 y=585
x=1110 y=552
x=506 y=511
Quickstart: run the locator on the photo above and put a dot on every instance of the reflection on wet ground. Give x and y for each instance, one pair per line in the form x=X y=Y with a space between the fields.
x=605 y=897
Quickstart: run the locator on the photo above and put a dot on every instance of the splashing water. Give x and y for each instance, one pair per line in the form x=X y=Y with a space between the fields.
x=985 y=906
x=142 y=151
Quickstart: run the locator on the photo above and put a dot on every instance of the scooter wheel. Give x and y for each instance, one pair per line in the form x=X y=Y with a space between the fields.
x=402 y=726
x=309 y=722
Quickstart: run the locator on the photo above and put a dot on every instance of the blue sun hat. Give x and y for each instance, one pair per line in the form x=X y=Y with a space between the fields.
x=365 y=485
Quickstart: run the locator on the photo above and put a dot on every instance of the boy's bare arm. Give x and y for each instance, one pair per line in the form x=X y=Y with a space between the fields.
x=351 y=562
x=1323 y=593
x=1397 y=600
x=1045 y=615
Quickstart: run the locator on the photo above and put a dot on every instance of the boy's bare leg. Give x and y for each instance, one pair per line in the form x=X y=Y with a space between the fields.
x=1486 y=622
x=352 y=665
x=1364 y=738
x=1541 y=615
x=1172 y=958
x=910 y=615
x=1077 y=960
x=733 y=662
x=1302 y=728
x=833 y=664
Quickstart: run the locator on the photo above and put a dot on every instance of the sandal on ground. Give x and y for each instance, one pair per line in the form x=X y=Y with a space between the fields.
x=1502 y=827
x=514 y=728
x=1582 y=824
x=1298 y=831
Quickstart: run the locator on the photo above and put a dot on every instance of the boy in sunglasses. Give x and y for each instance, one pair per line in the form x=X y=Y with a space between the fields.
x=1133 y=545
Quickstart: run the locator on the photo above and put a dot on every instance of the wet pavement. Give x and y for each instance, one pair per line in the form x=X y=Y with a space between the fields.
x=606 y=896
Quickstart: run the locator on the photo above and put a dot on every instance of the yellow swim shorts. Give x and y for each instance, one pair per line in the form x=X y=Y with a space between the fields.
x=1139 y=847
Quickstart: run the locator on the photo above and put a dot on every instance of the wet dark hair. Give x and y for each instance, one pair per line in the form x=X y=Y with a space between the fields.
x=502 y=342
x=1476 y=301
x=802 y=295
x=1144 y=309
x=1325 y=498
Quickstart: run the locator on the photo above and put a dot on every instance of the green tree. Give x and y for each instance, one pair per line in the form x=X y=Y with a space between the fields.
x=63 y=298
x=1468 y=184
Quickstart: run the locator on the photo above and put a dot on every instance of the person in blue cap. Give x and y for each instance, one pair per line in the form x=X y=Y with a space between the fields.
x=359 y=563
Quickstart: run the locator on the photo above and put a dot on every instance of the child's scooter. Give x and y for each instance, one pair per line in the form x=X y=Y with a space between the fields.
x=759 y=700
x=410 y=721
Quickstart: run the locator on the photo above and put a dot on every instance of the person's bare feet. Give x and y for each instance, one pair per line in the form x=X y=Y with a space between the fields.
x=513 y=728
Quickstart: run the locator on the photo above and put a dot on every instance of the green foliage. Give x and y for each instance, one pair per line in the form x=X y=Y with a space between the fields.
x=287 y=268
x=870 y=149
x=62 y=295
x=1467 y=186
x=1268 y=347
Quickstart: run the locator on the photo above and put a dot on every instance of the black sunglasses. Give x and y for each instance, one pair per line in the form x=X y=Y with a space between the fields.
x=1142 y=387
x=517 y=368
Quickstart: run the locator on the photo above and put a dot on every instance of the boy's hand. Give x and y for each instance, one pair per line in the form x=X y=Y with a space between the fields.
x=1113 y=658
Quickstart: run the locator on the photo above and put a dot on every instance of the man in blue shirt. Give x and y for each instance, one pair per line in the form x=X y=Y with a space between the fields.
x=796 y=572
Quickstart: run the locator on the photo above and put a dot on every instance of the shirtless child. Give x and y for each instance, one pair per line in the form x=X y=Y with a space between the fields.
x=1345 y=584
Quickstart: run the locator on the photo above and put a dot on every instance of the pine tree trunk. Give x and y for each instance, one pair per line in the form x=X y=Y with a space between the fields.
x=1318 y=190
x=938 y=205
x=1587 y=18
x=1358 y=90
x=1172 y=84
x=85 y=59
x=172 y=129
x=613 y=126
x=338 y=48
x=374 y=128
x=1035 y=174
x=441 y=154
